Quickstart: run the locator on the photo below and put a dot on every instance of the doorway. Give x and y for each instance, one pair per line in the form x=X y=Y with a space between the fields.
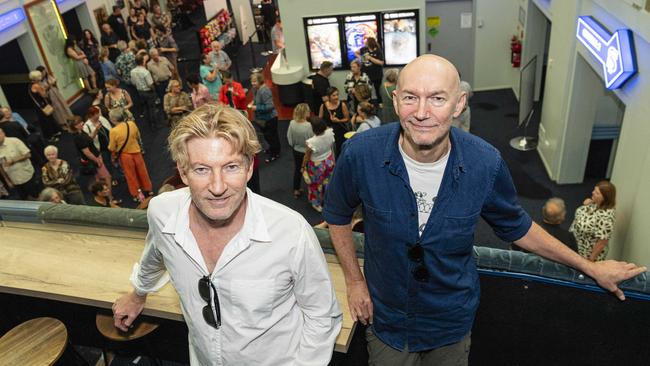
x=537 y=37
x=72 y=24
x=594 y=124
x=14 y=78
x=450 y=34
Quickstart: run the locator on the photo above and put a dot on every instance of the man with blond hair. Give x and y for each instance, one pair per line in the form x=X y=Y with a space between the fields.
x=250 y=273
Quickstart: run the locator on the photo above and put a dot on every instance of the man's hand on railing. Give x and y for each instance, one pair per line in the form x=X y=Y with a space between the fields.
x=608 y=274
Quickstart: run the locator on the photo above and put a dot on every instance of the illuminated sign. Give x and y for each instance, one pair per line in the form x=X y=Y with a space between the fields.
x=614 y=51
x=11 y=18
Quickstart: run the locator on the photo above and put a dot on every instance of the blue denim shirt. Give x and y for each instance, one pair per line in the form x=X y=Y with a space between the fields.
x=476 y=182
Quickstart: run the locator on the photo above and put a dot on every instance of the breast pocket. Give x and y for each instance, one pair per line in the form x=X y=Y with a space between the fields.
x=376 y=216
x=252 y=300
x=458 y=233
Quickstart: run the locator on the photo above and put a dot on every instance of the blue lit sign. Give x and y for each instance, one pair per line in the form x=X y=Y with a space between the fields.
x=11 y=18
x=614 y=51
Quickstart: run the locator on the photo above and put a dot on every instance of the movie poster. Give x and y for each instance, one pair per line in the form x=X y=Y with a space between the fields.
x=324 y=41
x=400 y=38
x=49 y=34
x=357 y=30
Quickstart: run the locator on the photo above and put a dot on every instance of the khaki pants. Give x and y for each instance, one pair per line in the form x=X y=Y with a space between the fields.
x=380 y=354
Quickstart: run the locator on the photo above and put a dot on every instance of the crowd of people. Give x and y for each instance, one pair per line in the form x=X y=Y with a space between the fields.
x=133 y=73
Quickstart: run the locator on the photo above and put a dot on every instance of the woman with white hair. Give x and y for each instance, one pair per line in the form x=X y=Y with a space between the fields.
x=44 y=109
x=56 y=173
x=51 y=195
x=463 y=121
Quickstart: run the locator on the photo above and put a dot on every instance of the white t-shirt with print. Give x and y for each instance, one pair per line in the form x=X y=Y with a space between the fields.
x=425 y=179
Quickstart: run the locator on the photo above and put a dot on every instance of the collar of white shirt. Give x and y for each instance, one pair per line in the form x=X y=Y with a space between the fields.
x=254 y=229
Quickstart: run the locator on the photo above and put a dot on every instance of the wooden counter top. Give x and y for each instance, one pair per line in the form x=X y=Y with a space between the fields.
x=61 y=262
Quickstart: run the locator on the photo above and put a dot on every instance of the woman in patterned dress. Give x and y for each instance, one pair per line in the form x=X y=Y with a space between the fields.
x=594 y=222
x=56 y=173
x=117 y=97
x=318 y=162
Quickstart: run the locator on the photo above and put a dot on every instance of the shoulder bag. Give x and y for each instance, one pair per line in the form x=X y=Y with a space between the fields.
x=47 y=109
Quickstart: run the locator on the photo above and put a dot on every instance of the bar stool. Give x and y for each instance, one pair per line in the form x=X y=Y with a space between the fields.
x=106 y=327
x=39 y=341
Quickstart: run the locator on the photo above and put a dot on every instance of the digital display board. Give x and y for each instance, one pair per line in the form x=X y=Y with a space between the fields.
x=357 y=29
x=400 y=37
x=324 y=41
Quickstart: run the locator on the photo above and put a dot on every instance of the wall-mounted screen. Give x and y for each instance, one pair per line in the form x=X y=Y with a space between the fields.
x=400 y=35
x=357 y=29
x=323 y=40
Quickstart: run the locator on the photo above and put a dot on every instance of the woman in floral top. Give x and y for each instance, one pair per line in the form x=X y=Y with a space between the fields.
x=594 y=222
x=56 y=173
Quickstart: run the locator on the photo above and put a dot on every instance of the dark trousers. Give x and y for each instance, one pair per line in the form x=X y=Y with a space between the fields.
x=270 y=132
x=135 y=97
x=49 y=126
x=31 y=188
x=148 y=100
x=161 y=89
x=297 y=166
x=377 y=85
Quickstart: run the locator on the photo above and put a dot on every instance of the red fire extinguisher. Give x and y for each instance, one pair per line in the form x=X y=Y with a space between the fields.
x=515 y=51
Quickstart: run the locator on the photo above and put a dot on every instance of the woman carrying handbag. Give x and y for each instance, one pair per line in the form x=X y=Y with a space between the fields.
x=49 y=127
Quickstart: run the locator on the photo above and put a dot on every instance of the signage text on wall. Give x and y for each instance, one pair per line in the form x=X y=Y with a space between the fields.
x=11 y=18
x=615 y=52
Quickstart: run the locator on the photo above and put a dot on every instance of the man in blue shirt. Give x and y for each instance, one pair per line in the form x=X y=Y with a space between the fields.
x=423 y=186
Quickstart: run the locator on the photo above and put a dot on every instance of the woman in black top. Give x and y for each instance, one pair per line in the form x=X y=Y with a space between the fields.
x=88 y=152
x=49 y=127
x=335 y=114
x=101 y=196
x=142 y=29
x=131 y=20
x=372 y=59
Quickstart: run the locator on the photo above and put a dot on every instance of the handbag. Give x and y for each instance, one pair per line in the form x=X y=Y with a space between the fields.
x=48 y=110
x=87 y=167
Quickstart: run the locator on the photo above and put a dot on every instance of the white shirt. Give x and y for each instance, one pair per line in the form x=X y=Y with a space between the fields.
x=425 y=179
x=19 y=172
x=321 y=145
x=89 y=128
x=276 y=297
